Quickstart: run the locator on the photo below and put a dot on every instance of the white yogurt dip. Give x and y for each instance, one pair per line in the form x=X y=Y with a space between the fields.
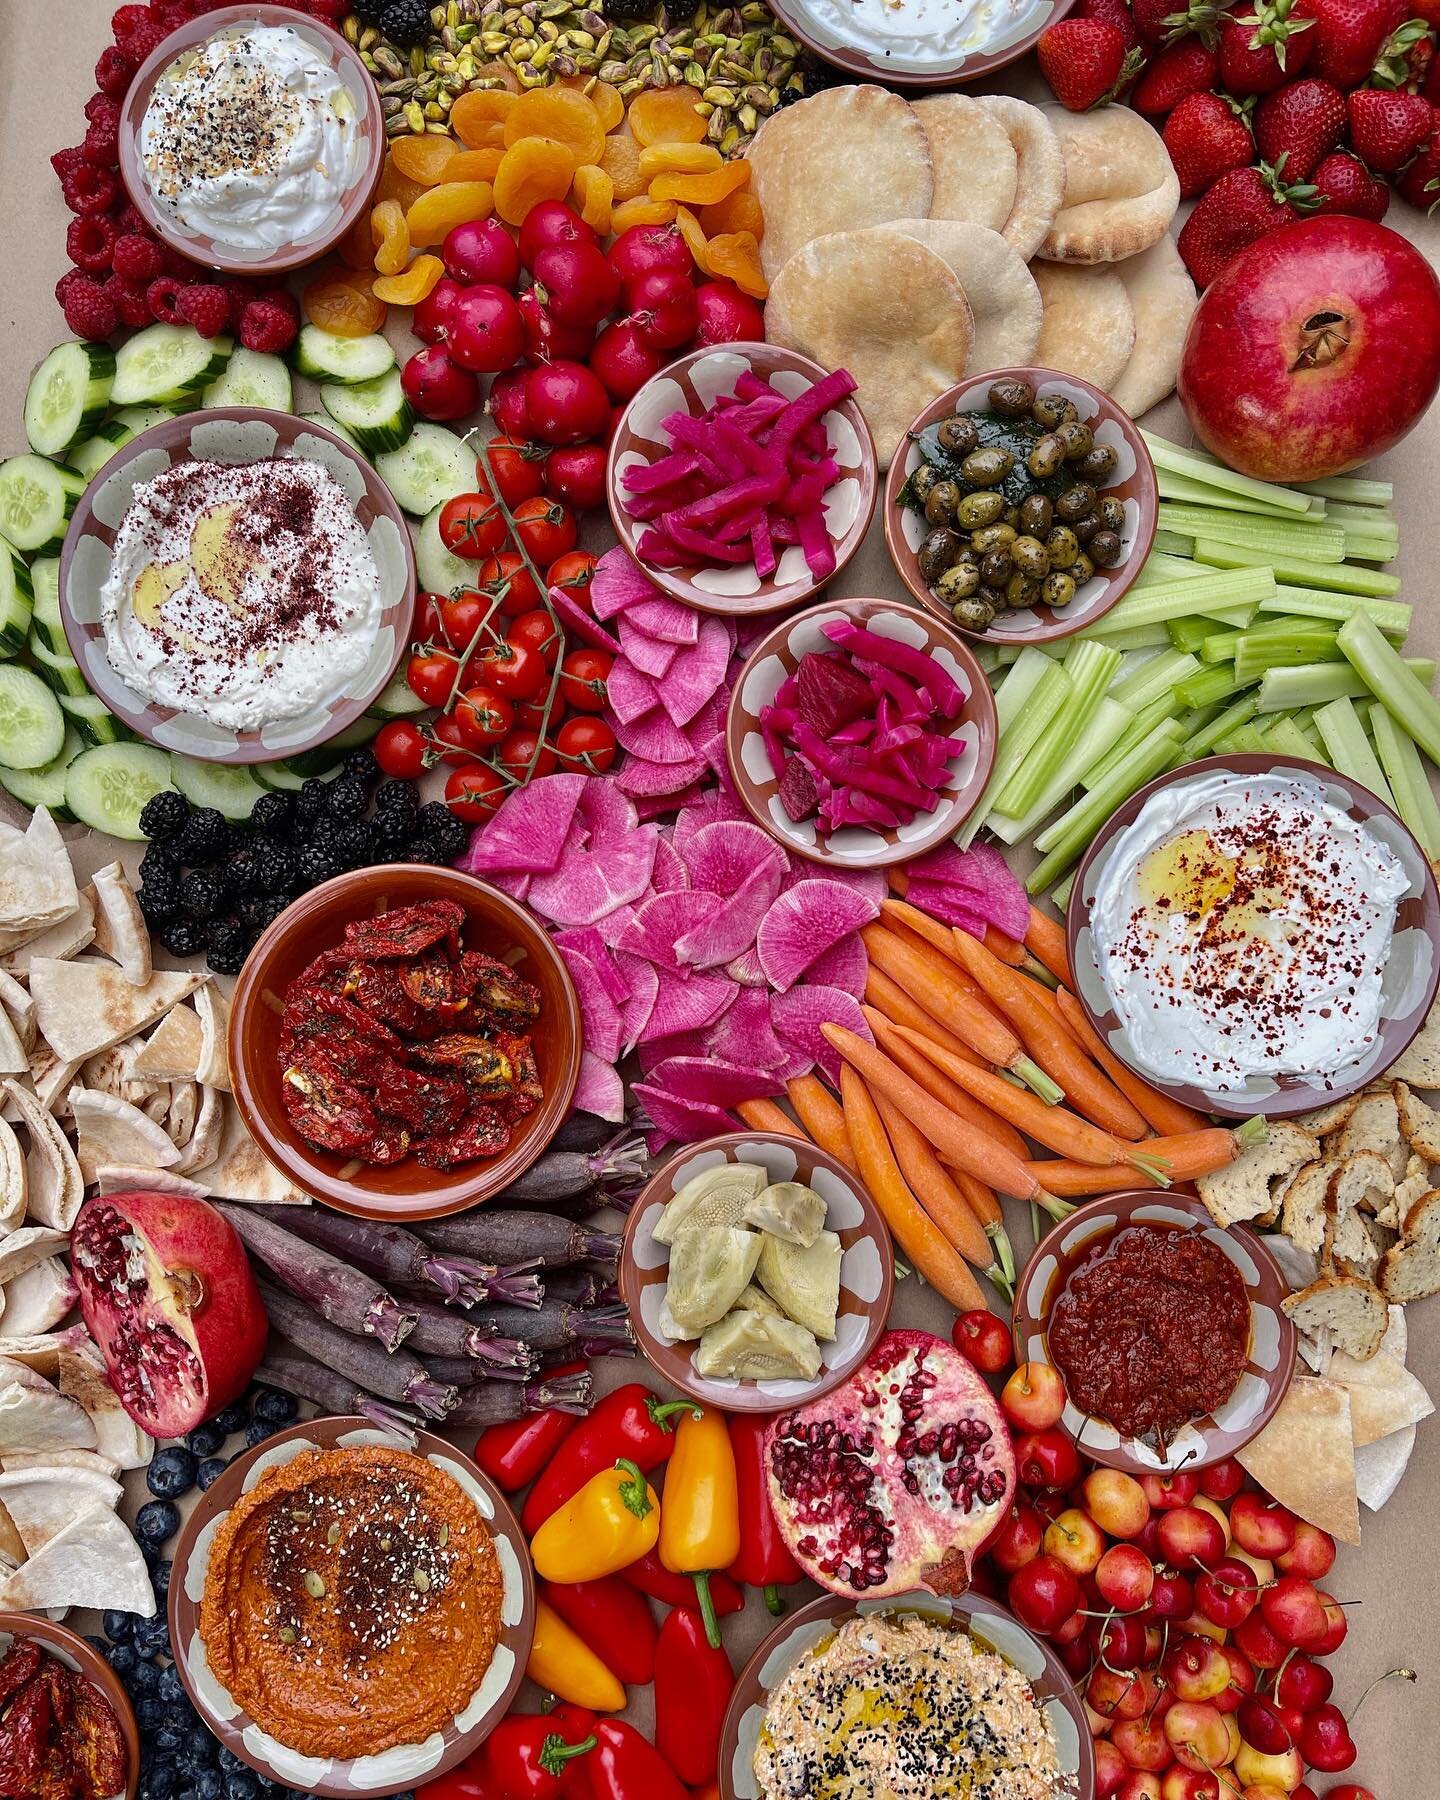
x=913 y=36
x=245 y=595
x=252 y=140
x=1241 y=927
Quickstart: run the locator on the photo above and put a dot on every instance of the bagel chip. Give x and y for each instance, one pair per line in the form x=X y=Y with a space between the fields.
x=1089 y=324
x=1004 y=300
x=1121 y=189
x=1039 y=170
x=1162 y=298
x=976 y=167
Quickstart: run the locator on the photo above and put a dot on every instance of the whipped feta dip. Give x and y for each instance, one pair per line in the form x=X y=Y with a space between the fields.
x=252 y=140
x=244 y=595
x=1241 y=927
x=911 y=36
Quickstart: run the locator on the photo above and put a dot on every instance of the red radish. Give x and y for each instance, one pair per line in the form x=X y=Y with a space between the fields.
x=580 y=286
x=645 y=247
x=576 y=474
x=550 y=223
x=665 y=308
x=546 y=339
x=482 y=250
x=623 y=360
x=727 y=316
x=486 y=331
x=508 y=404
x=565 y=402
x=430 y=320
x=437 y=387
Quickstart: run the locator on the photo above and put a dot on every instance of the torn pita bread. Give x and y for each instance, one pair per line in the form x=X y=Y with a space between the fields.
x=43 y=1499
x=13 y=1057
x=37 y=883
x=1004 y=300
x=1163 y=298
x=82 y=1379
x=21 y=1007
x=109 y=1130
x=1089 y=325
x=14 y=1180
x=204 y=1145
x=86 y=1006
x=182 y=1111
x=27 y=1248
x=1121 y=189
x=94 y=1561
x=35 y=1417
x=74 y=933
x=975 y=163
x=1384 y=1395
x=50 y=1079
x=1039 y=170
x=40 y=1298
x=241 y=1170
x=213 y=1010
x=174 y=1048
x=92 y=1460
x=124 y=1178
x=120 y=929
x=1305 y=1457
x=56 y=1188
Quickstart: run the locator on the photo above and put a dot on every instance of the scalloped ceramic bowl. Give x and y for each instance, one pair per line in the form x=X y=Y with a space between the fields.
x=406 y=1765
x=989 y=1624
x=691 y=384
x=369 y=153
x=775 y=658
x=76 y=1653
x=1133 y=484
x=867 y=1269
x=873 y=40
x=235 y=435
x=1408 y=984
x=1269 y=1365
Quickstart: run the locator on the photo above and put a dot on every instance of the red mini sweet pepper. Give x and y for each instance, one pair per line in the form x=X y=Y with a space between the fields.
x=613 y=1619
x=764 y=1560
x=541 y=1756
x=514 y=1454
x=651 y=1576
x=624 y=1767
x=693 y=1686
x=632 y=1425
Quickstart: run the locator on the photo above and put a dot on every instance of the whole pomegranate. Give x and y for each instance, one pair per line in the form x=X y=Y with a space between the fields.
x=896 y=1479
x=167 y=1293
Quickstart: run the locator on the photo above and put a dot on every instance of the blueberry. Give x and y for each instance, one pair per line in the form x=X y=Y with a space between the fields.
x=200 y=1748
x=96 y=1642
x=205 y=1440
x=144 y=1679
x=118 y=1626
x=160 y=1579
x=152 y=1638
x=276 y=1408
x=168 y=1737
x=230 y=1763
x=171 y=1472
x=231 y=1418
x=171 y=1689
x=241 y=1784
x=157 y=1520
x=208 y=1784
x=257 y=1431
x=122 y=1659
x=209 y=1472
x=159 y=1781
x=148 y=1713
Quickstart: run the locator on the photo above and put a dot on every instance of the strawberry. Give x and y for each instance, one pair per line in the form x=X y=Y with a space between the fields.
x=1420 y=184
x=1206 y=137
x=1349 y=35
x=1112 y=12
x=1405 y=58
x=1086 y=62
x=1347 y=186
x=1262 y=48
x=1243 y=206
x=1301 y=123
x=1162 y=22
x=1185 y=67
x=1386 y=129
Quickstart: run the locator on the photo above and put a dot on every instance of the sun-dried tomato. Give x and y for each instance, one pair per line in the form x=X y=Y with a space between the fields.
x=480 y=1064
x=19 y=1663
x=378 y=988
x=497 y=994
x=96 y=1741
x=330 y=1111
x=23 y=1738
x=426 y=1101
x=483 y=1132
x=407 y=930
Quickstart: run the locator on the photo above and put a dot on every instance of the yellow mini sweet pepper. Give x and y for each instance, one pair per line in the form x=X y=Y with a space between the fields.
x=610 y=1523
x=700 y=1525
x=562 y=1663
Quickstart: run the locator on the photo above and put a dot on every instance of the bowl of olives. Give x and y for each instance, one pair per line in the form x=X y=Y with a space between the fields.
x=1022 y=506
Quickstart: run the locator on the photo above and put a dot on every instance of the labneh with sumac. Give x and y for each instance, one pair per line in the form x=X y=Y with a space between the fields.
x=401 y=1041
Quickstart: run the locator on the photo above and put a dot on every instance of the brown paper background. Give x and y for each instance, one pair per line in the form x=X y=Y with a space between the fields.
x=1392 y=1582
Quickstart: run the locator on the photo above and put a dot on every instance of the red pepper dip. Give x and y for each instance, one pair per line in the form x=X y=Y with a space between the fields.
x=1151 y=1330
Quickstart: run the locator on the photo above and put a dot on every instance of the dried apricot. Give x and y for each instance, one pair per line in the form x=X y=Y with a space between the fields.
x=605 y=99
x=411 y=287
x=736 y=256
x=440 y=209
x=475 y=112
x=678 y=159
x=740 y=212
x=594 y=195
x=397 y=186
x=695 y=240
x=666 y=116
x=563 y=114
x=535 y=169
x=701 y=190
x=620 y=160
x=391 y=238
x=641 y=211
x=356 y=249
x=422 y=159
x=343 y=305
x=474 y=165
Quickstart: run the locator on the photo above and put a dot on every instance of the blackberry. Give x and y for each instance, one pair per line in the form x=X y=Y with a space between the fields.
x=205 y=836
x=160 y=859
x=397 y=796
x=406 y=22
x=201 y=895
x=368 y=11
x=183 y=937
x=432 y=819
x=159 y=897
x=242 y=872
x=360 y=765
x=427 y=850
x=355 y=844
x=452 y=835
x=274 y=813
x=312 y=801
x=317 y=863
x=164 y=815
x=347 y=798
x=277 y=868
x=228 y=946
x=630 y=9
x=391 y=828
x=257 y=910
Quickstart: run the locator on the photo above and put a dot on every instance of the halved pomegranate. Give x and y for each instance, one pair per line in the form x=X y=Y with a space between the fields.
x=167 y=1293
x=896 y=1479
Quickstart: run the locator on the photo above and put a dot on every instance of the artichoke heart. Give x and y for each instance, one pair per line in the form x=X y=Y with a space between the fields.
x=714 y=1197
x=805 y=1284
x=710 y=1267
x=752 y=1346
x=755 y=1299
x=789 y=1210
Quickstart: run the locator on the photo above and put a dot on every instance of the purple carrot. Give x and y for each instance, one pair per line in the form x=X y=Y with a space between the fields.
x=498 y=1402
x=520 y=1237
x=441 y=1333
x=560 y=1173
x=392 y=1374
x=578 y=1286
x=583 y=1131
x=464 y=1371
x=557 y=1324
x=332 y=1393
x=342 y=1294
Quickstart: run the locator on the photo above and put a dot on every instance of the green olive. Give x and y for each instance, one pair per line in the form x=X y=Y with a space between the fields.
x=1097 y=465
x=981 y=508
x=937 y=553
x=1104 y=549
x=1076 y=437
x=1029 y=557
x=959 y=435
x=1075 y=502
x=1021 y=590
x=973 y=613
x=922 y=481
x=987 y=468
x=969 y=556
x=1052 y=411
x=992 y=537
x=1058 y=589
x=957 y=583
x=1012 y=516
x=1062 y=546
x=1037 y=514
x=1112 y=514
x=996 y=568
x=1011 y=399
x=941 y=502
x=1046 y=456
x=1081 y=569
x=1086 y=528
x=992 y=597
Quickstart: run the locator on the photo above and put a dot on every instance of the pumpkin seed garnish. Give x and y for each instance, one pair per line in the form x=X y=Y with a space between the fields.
x=421 y=1580
x=288 y=1634
x=332 y=1536
x=314 y=1585
x=442 y=1537
x=300 y=1516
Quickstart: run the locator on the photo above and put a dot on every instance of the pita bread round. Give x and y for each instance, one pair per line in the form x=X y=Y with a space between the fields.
x=1121 y=189
x=845 y=158
x=881 y=305
x=1004 y=299
x=1089 y=325
x=1163 y=298
x=976 y=167
x=1039 y=170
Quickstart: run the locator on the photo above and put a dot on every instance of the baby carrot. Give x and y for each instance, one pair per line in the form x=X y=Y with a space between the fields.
x=928 y=980
x=939 y=1194
x=922 y=1241
x=1046 y=937
x=888 y=997
x=765 y=1115
x=1185 y=1156
x=820 y=1113
x=1161 y=1113
x=943 y=1089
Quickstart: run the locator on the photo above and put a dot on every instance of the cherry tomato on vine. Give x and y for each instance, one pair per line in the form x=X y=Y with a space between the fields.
x=514 y=670
x=429 y=620
x=531 y=713
x=474 y=792
x=518 y=755
x=516 y=468
x=400 y=750
x=446 y=730
x=590 y=742
x=540 y=632
x=463 y=615
x=483 y=716
x=431 y=676
x=472 y=525
x=521 y=591
x=574 y=571
x=582 y=679
x=546 y=528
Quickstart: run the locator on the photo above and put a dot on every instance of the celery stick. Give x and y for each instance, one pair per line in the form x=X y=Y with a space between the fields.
x=1245 y=740
x=1414 y=800
x=1060 y=896
x=1201 y=743
x=1091 y=668
x=1256 y=652
x=1210 y=686
x=1108 y=722
x=1355 y=488
x=1144 y=722
x=1368 y=547
x=1219 y=646
x=1157 y=677
x=1203 y=493
x=1316 y=539
x=1285 y=738
x=1034 y=719
x=1350 y=751
x=1404 y=696
x=1065 y=841
x=1380 y=519
x=1161 y=567
x=1392 y=616
x=1317 y=684
x=1343 y=578
x=1138 y=637
x=1177 y=599
x=1190 y=633
x=1196 y=718
x=1174 y=543
x=1200 y=467
x=1015 y=691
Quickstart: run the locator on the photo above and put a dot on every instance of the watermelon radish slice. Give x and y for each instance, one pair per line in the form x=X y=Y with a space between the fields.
x=799 y=1014
x=669 y=872
x=648 y=654
x=643 y=980
x=697 y=672
x=870 y=884
x=950 y=905
x=530 y=828
x=746 y=1035
x=613 y=923
x=720 y=857
x=711 y=1081
x=588 y=941
x=688 y=1003
x=619 y=582
x=599 y=1014
x=661 y=921
x=644 y=780
x=844 y=967
x=515 y=884
x=665 y=619
x=806 y=921
x=600 y=1089
x=714 y=803
x=655 y=1051
x=745 y=968
x=656 y=737
x=605 y=813
x=629 y=693
x=731 y=929
x=656 y=806
x=679 y=1121
x=591 y=883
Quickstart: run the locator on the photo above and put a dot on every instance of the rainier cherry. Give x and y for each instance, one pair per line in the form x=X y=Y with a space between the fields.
x=1110 y=1769
x=1019 y=1538
x=979 y=1336
x=1034 y=1397
x=1325 y=1740
x=1043 y=1594
x=1259 y=1642
x=1167 y=1491
x=1172 y=1596
x=1222 y=1480
x=1228 y=1593
x=1116 y=1502
x=1073 y=1538
x=1294 y=1611
x=1142 y=1742
x=1119 y=1643
x=1047 y=1459
x=1263 y=1527
x=1199 y=1734
x=1311 y=1554
x=1188 y=1535
x=1196 y=1669
x=1253 y=1768
x=1125 y=1578
x=1304 y=1683
x=1336 y=1626
x=1117 y=1694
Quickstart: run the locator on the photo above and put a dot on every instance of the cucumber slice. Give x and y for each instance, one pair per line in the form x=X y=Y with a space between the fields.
x=358 y=731
x=32 y=727
x=437 y=569
x=231 y=791
x=56 y=668
x=167 y=365
x=36 y=500
x=45 y=787
x=107 y=788
x=433 y=467
x=45 y=601
x=16 y=600
x=376 y=412
x=91 y=454
x=252 y=379
x=67 y=396
x=345 y=359
x=93 y=719
x=332 y=425
x=396 y=701
x=140 y=418
x=290 y=777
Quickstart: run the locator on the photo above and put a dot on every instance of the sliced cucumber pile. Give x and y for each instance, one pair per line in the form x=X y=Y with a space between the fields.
x=395 y=701
x=232 y=791
x=45 y=787
x=107 y=788
x=36 y=500
x=16 y=602
x=376 y=413
x=91 y=454
x=251 y=378
x=326 y=357
x=326 y=423
x=67 y=396
x=167 y=365
x=32 y=726
x=432 y=467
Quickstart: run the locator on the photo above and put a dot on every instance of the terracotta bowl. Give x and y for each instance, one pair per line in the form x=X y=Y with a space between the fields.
x=233 y=258
x=406 y=1765
x=867 y=1269
x=232 y=434
x=1133 y=484
x=989 y=1624
x=691 y=384
x=775 y=657
x=75 y=1653
x=1269 y=1366
x=898 y=60
x=316 y=922
x=1408 y=984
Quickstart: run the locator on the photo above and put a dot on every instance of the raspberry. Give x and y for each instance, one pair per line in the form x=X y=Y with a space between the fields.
x=204 y=306
x=113 y=71
x=129 y=300
x=90 y=244
x=180 y=265
x=331 y=11
x=102 y=145
x=264 y=326
x=284 y=299
x=130 y=218
x=126 y=20
x=67 y=281
x=101 y=107
x=65 y=162
x=162 y=297
x=145 y=38
x=137 y=257
x=88 y=190
x=238 y=295
x=89 y=310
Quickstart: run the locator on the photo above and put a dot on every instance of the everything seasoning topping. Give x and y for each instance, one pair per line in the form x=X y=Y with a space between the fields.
x=247 y=124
